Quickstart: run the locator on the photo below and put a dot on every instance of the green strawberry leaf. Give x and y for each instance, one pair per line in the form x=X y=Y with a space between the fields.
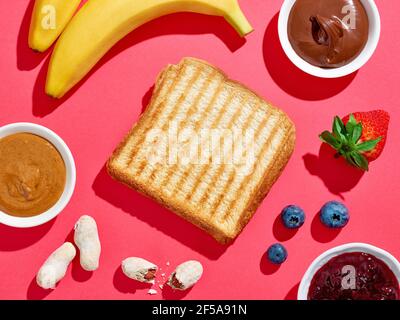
x=368 y=145
x=357 y=132
x=346 y=140
x=360 y=160
x=352 y=120
x=330 y=139
x=350 y=160
x=339 y=130
x=350 y=130
x=351 y=124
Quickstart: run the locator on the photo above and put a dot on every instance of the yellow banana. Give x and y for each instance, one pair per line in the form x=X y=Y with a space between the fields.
x=49 y=19
x=101 y=23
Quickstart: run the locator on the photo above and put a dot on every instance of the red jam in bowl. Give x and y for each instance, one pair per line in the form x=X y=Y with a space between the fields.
x=354 y=276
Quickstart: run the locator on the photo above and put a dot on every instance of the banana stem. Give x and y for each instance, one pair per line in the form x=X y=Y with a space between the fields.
x=238 y=20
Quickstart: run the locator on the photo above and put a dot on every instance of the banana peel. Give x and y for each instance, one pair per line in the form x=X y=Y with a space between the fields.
x=49 y=18
x=100 y=24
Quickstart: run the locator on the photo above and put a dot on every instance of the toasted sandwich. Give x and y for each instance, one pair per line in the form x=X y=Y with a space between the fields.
x=207 y=148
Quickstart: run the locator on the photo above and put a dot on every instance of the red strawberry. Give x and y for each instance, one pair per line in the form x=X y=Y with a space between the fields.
x=359 y=137
x=375 y=124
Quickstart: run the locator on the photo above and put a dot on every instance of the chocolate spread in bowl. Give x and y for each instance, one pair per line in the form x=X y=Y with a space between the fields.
x=328 y=33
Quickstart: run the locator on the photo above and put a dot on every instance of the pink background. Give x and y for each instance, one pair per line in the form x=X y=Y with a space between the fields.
x=94 y=118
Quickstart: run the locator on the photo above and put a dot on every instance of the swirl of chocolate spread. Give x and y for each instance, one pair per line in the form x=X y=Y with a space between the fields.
x=328 y=33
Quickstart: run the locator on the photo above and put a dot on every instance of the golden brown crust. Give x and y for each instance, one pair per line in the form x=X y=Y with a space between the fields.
x=177 y=207
x=183 y=209
x=270 y=178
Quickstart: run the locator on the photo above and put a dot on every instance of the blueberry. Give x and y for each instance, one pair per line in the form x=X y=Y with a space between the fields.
x=334 y=214
x=293 y=217
x=277 y=253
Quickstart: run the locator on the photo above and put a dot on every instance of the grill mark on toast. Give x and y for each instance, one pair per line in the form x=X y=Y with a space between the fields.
x=213 y=101
x=217 y=94
x=263 y=125
x=164 y=170
x=232 y=175
x=213 y=205
x=193 y=107
x=210 y=105
x=282 y=137
x=131 y=139
x=214 y=124
x=223 y=123
x=141 y=167
x=206 y=85
x=160 y=88
x=198 y=128
x=152 y=119
x=222 y=165
x=222 y=168
x=177 y=106
x=157 y=101
x=181 y=176
x=245 y=181
x=183 y=97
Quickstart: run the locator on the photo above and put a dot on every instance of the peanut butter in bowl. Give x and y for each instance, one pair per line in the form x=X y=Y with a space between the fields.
x=32 y=175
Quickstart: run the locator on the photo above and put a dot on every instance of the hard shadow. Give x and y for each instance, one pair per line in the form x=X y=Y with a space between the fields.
x=27 y=59
x=267 y=267
x=78 y=273
x=155 y=215
x=125 y=285
x=147 y=98
x=13 y=239
x=42 y=104
x=35 y=292
x=178 y=23
x=170 y=294
x=337 y=175
x=281 y=233
x=291 y=79
x=292 y=294
x=321 y=233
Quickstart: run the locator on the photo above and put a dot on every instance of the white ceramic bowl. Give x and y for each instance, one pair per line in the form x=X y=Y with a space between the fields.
x=22 y=222
x=383 y=255
x=357 y=63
